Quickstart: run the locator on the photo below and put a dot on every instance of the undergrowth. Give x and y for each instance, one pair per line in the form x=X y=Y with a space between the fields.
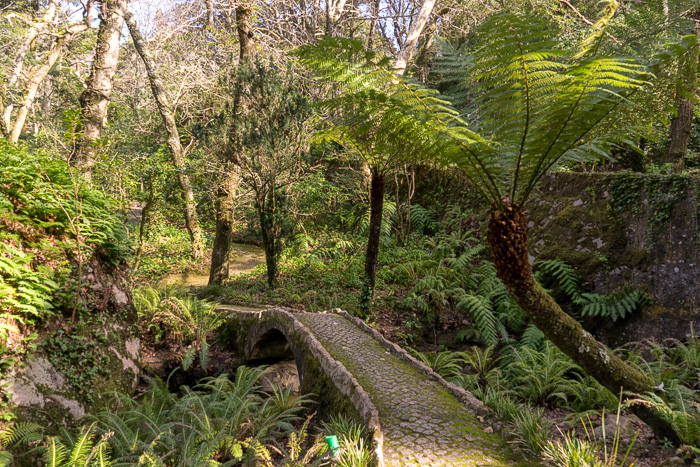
x=221 y=421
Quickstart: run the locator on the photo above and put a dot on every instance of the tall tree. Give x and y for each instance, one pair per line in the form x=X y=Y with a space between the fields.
x=409 y=46
x=176 y=151
x=246 y=33
x=267 y=135
x=98 y=87
x=35 y=29
x=686 y=92
x=535 y=107
x=231 y=177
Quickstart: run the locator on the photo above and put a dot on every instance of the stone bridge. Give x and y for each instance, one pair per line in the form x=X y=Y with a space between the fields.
x=416 y=417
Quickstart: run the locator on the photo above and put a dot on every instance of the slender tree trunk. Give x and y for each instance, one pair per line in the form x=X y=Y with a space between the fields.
x=376 y=200
x=210 y=14
x=145 y=220
x=225 y=206
x=682 y=123
x=373 y=24
x=507 y=239
x=267 y=213
x=96 y=97
x=18 y=63
x=246 y=34
x=176 y=151
x=39 y=75
x=414 y=33
x=225 y=203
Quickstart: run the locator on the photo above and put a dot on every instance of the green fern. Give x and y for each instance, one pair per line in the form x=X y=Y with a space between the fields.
x=422 y=220
x=532 y=337
x=446 y=364
x=542 y=377
x=481 y=311
x=21 y=433
x=565 y=276
x=615 y=306
x=18 y=434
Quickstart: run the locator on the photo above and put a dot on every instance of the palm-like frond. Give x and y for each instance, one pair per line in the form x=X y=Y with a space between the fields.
x=533 y=106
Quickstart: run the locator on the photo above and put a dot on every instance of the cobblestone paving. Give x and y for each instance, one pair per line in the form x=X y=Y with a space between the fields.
x=423 y=424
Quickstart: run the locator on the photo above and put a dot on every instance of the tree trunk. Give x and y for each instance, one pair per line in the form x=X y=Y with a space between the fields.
x=507 y=239
x=210 y=14
x=18 y=63
x=33 y=84
x=225 y=202
x=267 y=213
x=376 y=200
x=682 y=123
x=414 y=33
x=225 y=205
x=373 y=24
x=96 y=97
x=145 y=220
x=176 y=152
x=246 y=35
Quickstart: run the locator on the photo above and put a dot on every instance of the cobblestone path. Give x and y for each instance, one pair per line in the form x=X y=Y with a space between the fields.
x=423 y=424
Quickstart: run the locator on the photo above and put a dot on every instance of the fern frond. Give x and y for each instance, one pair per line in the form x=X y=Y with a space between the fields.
x=21 y=433
x=615 y=306
x=564 y=275
x=482 y=314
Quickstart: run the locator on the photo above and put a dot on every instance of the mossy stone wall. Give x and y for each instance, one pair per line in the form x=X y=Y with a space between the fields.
x=626 y=229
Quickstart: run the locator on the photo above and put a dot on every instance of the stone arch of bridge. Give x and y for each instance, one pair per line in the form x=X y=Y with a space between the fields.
x=269 y=342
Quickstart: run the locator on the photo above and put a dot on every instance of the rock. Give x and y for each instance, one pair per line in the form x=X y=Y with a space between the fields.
x=283 y=374
x=611 y=427
x=72 y=368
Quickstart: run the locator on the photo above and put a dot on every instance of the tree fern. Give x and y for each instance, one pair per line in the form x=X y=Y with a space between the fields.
x=515 y=135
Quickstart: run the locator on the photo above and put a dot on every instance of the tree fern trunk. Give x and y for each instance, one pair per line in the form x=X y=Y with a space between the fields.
x=376 y=196
x=507 y=238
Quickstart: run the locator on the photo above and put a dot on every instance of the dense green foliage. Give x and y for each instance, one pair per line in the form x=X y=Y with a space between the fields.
x=221 y=421
x=498 y=94
x=52 y=225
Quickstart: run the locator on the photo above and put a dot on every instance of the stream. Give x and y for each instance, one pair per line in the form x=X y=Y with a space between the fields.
x=243 y=259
